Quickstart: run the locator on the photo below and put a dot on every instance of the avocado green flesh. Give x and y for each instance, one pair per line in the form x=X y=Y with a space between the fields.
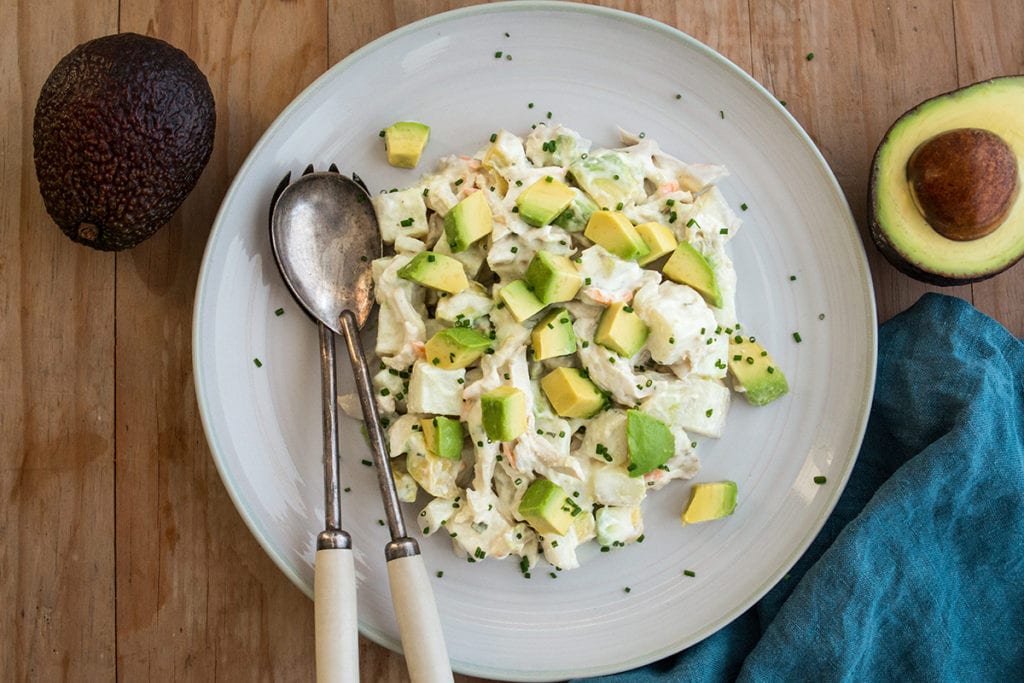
x=897 y=226
x=711 y=500
x=123 y=128
x=503 y=413
x=548 y=508
x=649 y=442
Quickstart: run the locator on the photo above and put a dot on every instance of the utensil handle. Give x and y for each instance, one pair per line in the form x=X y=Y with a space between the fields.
x=334 y=612
x=419 y=626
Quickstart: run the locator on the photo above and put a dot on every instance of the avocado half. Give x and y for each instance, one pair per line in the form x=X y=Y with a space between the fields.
x=123 y=127
x=897 y=219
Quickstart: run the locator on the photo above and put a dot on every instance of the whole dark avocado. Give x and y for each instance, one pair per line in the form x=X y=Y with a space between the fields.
x=123 y=128
x=944 y=203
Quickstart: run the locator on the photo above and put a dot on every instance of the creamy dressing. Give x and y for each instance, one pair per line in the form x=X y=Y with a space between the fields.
x=676 y=377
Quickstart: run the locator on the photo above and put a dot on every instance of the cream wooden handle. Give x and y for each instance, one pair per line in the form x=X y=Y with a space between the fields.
x=418 y=623
x=334 y=610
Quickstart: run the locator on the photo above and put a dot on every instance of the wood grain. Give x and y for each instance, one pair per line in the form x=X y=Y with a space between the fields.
x=121 y=555
x=57 y=389
x=189 y=573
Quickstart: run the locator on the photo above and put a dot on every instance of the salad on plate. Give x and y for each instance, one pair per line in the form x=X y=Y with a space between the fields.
x=557 y=330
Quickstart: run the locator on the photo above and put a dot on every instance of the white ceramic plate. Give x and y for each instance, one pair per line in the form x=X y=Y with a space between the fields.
x=593 y=69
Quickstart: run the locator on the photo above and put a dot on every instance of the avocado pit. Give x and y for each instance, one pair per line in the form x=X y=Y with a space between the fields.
x=964 y=182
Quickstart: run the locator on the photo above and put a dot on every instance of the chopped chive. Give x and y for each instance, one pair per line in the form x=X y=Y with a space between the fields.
x=810 y=56
x=797 y=338
x=497 y=55
x=368 y=463
x=820 y=480
x=689 y=572
x=257 y=362
x=743 y=207
x=279 y=312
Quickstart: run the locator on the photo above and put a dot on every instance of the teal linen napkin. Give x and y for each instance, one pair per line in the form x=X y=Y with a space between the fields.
x=918 y=575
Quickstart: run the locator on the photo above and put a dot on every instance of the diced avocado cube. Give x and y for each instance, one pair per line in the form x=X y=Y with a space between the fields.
x=456 y=347
x=613 y=231
x=468 y=221
x=541 y=202
x=649 y=443
x=576 y=215
x=621 y=330
x=553 y=336
x=548 y=508
x=572 y=394
x=687 y=266
x=659 y=240
x=755 y=371
x=436 y=271
x=608 y=177
x=503 y=413
x=552 y=277
x=520 y=301
x=443 y=436
x=405 y=141
x=711 y=500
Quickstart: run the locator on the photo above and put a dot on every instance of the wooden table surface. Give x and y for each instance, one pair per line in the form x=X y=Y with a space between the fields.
x=121 y=555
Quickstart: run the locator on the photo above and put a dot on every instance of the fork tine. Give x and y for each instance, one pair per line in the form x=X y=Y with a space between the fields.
x=277 y=193
x=359 y=181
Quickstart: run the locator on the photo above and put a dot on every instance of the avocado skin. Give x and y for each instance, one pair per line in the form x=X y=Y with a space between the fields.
x=919 y=265
x=123 y=128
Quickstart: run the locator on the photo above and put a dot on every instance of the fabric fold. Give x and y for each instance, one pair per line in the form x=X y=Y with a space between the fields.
x=919 y=572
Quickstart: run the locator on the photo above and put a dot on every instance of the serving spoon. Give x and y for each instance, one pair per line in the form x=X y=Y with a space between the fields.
x=324 y=235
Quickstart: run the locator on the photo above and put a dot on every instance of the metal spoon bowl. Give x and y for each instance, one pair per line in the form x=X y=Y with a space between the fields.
x=324 y=235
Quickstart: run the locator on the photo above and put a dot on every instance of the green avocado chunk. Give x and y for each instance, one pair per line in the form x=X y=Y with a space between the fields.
x=443 y=436
x=621 y=330
x=520 y=300
x=553 y=335
x=687 y=266
x=945 y=203
x=503 y=413
x=575 y=216
x=436 y=271
x=468 y=222
x=123 y=128
x=541 y=202
x=552 y=277
x=754 y=370
x=572 y=394
x=649 y=443
x=405 y=142
x=456 y=347
x=614 y=231
x=711 y=500
x=548 y=508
